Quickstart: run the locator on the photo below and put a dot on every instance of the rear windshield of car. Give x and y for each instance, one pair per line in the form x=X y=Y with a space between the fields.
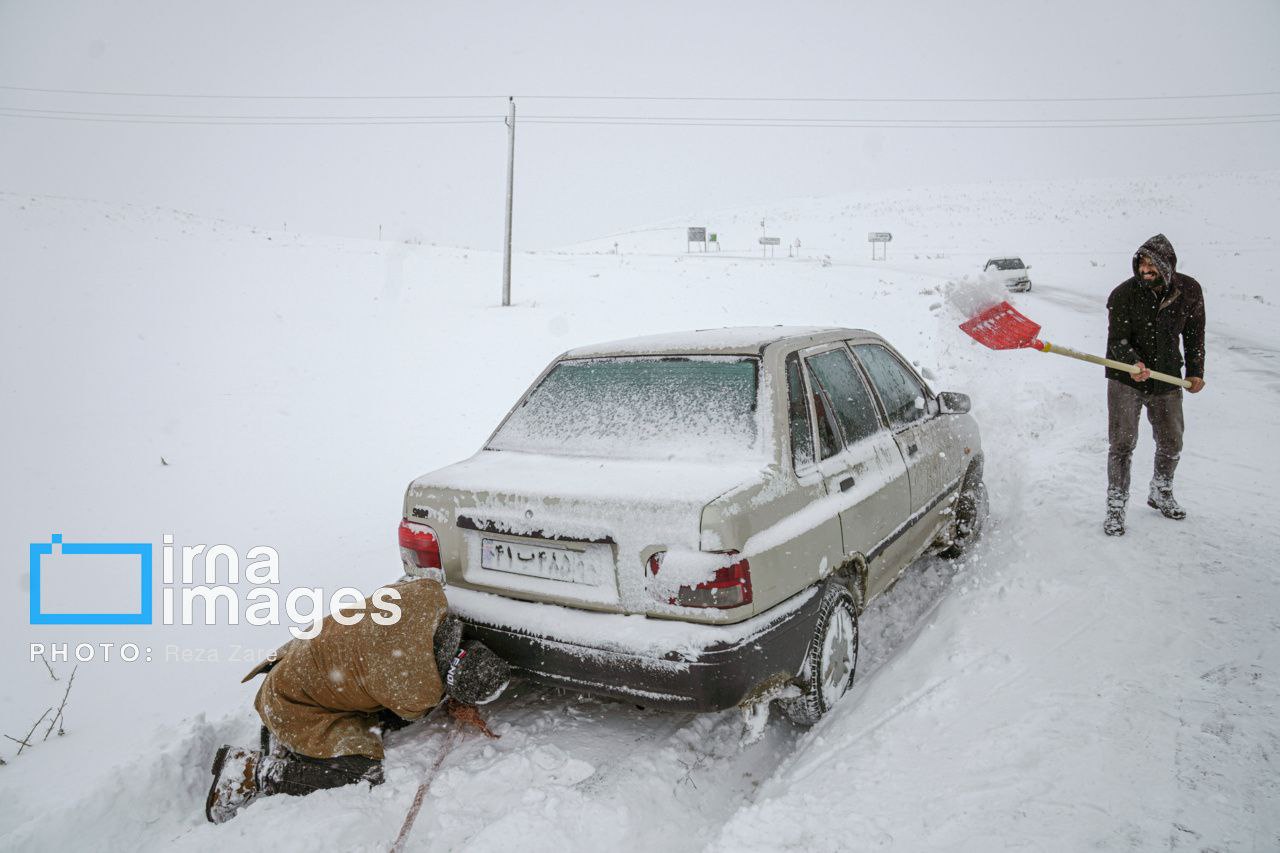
x=659 y=407
x=1008 y=264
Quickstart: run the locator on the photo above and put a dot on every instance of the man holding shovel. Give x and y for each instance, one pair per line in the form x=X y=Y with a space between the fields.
x=1152 y=317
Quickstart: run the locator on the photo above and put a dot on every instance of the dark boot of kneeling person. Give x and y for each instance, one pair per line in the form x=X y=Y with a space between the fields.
x=324 y=700
x=241 y=776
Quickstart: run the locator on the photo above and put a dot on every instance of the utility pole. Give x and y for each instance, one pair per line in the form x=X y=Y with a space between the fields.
x=511 y=167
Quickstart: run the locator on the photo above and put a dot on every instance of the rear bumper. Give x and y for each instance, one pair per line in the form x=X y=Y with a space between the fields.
x=663 y=664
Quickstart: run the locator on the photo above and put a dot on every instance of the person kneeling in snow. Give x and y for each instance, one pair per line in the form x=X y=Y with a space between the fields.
x=325 y=701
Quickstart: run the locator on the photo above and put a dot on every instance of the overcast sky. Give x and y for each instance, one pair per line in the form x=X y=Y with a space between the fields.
x=444 y=183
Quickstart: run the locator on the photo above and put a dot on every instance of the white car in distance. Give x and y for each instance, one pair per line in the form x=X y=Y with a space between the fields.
x=1012 y=272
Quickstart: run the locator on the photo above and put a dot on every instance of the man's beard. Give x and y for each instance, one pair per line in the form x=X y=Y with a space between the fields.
x=1154 y=281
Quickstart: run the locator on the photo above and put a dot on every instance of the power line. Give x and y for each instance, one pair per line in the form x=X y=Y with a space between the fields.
x=848 y=125
x=624 y=120
x=199 y=95
x=254 y=117
x=656 y=118
x=267 y=122
x=671 y=98
x=918 y=124
x=903 y=100
x=943 y=125
x=837 y=119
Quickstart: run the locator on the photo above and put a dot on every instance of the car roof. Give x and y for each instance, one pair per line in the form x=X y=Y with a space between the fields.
x=1004 y=258
x=731 y=340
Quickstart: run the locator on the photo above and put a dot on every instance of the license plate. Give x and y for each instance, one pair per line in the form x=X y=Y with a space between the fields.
x=537 y=561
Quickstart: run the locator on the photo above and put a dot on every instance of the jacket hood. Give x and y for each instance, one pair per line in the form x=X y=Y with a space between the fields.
x=1159 y=250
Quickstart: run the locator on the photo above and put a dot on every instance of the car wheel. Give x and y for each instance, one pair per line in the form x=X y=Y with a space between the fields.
x=829 y=662
x=971 y=511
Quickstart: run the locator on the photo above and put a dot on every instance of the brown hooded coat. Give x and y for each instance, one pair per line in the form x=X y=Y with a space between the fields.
x=322 y=696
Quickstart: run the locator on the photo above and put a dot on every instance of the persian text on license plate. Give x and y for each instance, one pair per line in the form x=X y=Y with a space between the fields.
x=537 y=561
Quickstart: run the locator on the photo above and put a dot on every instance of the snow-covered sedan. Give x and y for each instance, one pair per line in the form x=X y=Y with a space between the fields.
x=1011 y=272
x=694 y=521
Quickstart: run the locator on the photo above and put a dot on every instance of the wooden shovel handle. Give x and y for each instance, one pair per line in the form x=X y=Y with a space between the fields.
x=1045 y=346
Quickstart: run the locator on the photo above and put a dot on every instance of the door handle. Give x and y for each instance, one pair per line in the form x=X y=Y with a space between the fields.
x=846 y=484
x=912 y=449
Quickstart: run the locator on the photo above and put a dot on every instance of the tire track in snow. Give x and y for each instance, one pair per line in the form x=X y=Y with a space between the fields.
x=695 y=765
x=562 y=752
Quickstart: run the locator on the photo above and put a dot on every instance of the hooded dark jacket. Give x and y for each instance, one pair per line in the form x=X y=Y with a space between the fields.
x=1145 y=323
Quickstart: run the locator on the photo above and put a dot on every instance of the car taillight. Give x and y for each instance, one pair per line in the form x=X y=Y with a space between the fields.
x=419 y=546
x=729 y=587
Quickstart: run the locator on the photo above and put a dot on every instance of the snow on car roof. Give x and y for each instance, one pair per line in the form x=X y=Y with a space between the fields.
x=729 y=340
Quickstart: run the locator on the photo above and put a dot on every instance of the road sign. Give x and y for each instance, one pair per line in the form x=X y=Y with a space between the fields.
x=879 y=237
x=695 y=235
x=770 y=241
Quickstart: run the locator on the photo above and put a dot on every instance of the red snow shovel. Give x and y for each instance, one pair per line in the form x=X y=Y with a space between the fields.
x=1003 y=327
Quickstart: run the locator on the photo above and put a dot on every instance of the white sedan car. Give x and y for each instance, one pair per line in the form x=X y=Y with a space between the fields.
x=695 y=521
x=1011 y=271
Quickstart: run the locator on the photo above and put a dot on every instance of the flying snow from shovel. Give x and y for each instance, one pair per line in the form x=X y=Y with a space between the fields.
x=968 y=297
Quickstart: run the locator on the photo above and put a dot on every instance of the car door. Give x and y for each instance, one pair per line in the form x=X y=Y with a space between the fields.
x=817 y=551
x=912 y=413
x=860 y=461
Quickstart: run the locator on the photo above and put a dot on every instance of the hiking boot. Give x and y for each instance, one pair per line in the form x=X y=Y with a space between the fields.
x=235 y=783
x=298 y=775
x=1114 y=523
x=1161 y=498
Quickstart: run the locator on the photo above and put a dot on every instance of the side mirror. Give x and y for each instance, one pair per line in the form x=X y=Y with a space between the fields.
x=1028 y=266
x=953 y=403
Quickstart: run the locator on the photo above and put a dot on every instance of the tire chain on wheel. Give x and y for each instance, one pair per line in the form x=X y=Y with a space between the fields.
x=807 y=709
x=971 y=512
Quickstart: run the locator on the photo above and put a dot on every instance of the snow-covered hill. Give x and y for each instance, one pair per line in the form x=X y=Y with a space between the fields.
x=1058 y=690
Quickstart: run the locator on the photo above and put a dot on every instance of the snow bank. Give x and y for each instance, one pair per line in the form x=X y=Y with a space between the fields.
x=1058 y=690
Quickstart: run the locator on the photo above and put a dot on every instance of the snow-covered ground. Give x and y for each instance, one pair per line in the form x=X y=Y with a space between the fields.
x=1056 y=690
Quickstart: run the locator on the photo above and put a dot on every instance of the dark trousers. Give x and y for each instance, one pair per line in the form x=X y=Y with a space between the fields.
x=285 y=772
x=1124 y=410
